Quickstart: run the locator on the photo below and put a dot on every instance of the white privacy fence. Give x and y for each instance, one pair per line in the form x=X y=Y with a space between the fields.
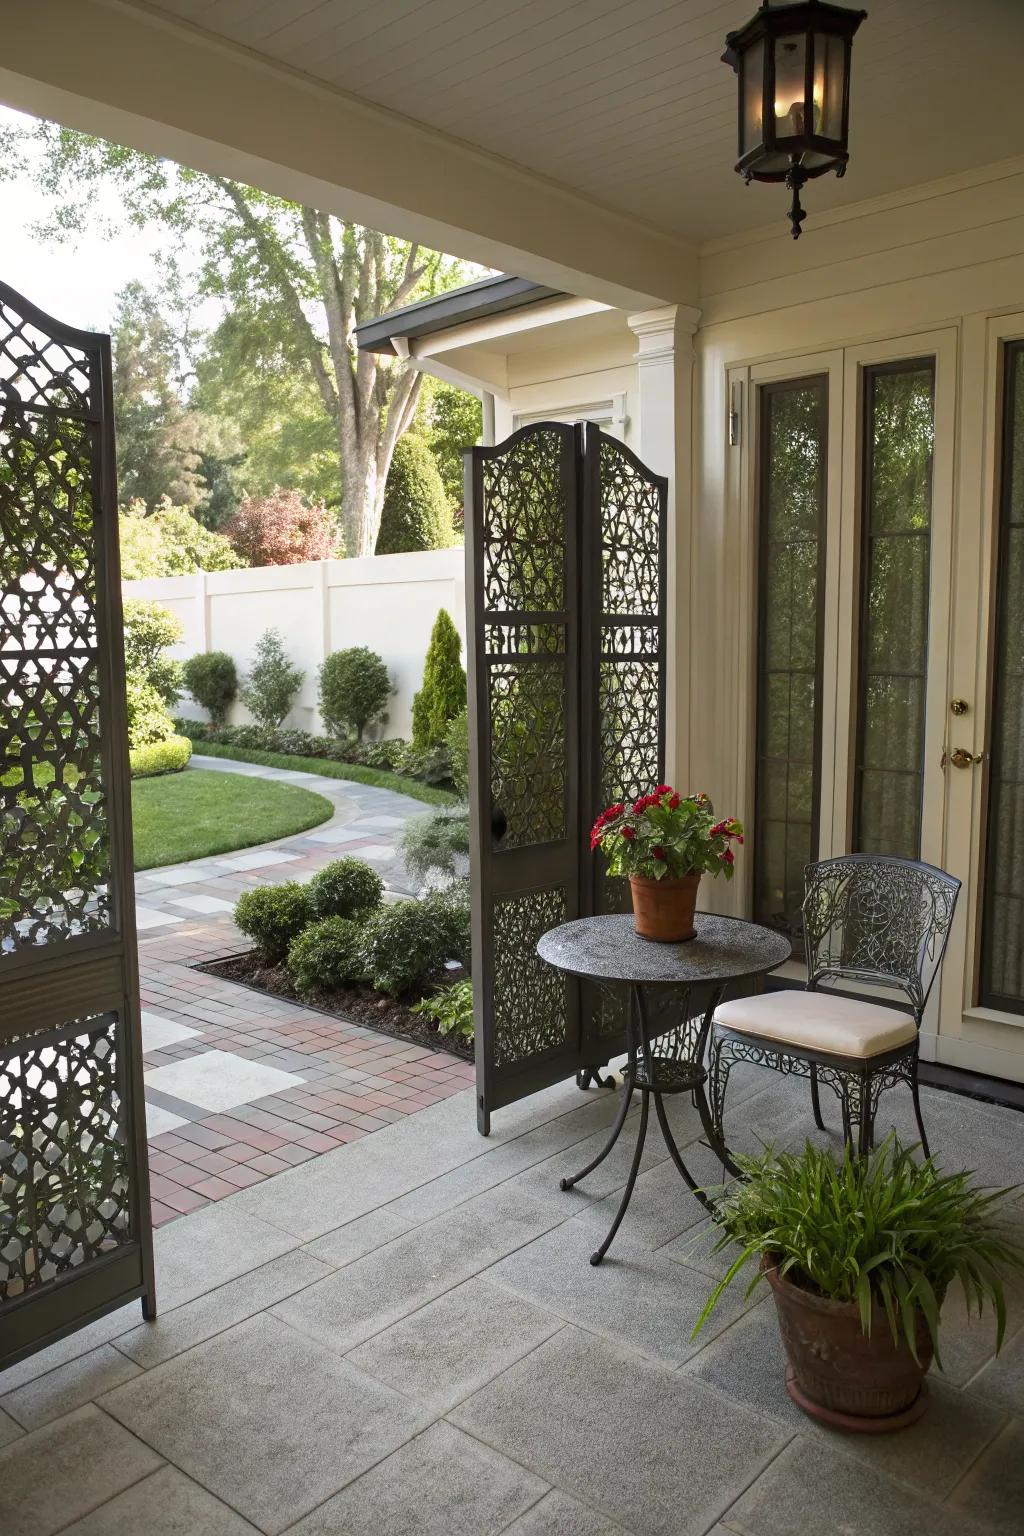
x=386 y=602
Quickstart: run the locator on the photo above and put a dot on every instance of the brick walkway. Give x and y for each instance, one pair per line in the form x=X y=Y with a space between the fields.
x=240 y=1086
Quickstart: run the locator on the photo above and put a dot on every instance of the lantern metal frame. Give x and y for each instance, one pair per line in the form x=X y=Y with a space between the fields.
x=811 y=20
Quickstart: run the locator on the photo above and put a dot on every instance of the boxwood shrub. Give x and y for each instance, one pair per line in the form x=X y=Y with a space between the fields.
x=272 y=916
x=345 y=888
x=155 y=757
x=403 y=948
x=325 y=955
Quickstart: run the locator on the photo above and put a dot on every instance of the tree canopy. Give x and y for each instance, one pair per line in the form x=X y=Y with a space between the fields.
x=294 y=282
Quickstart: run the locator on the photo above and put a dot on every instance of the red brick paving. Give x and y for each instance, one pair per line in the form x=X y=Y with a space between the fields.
x=356 y=1081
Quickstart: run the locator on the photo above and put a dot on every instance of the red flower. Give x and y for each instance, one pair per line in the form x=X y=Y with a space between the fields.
x=663 y=789
x=728 y=857
x=719 y=829
x=658 y=852
x=673 y=804
x=629 y=833
x=639 y=806
x=739 y=838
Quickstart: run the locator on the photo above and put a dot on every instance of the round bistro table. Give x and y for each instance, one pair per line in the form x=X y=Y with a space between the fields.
x=673 y=991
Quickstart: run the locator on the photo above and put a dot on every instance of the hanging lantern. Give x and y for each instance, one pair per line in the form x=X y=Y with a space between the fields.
x=793 y=68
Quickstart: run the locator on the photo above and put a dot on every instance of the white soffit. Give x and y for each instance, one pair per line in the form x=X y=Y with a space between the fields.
x=627 y=102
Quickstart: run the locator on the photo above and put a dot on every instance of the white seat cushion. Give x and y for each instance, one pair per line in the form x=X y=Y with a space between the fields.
x=819 y=1021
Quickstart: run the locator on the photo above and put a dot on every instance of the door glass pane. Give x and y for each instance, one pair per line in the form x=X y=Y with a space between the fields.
x=1002 y=965
x=897 y=509
x=792 y=539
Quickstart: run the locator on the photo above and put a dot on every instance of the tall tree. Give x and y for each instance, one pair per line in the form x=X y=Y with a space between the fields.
x=309 y=276
x=157 y=438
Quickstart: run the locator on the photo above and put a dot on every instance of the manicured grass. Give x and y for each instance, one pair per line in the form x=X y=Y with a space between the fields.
x=189 y=815
x=379 y=777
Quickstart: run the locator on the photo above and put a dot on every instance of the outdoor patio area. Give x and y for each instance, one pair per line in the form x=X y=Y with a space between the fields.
x=404 y=1335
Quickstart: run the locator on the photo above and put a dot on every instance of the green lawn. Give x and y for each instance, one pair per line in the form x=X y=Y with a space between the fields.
x=188 y=815
x=415 y=788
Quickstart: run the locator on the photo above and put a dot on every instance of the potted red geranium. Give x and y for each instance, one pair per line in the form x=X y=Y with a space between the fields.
x=664 y=842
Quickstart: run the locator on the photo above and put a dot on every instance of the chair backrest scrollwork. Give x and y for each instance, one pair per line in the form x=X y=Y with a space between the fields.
x=872 y=918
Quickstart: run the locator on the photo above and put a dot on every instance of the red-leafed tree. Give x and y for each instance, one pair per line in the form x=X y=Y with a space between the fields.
x=280 y=529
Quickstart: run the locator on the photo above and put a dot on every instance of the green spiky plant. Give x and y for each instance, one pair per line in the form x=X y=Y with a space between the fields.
x=886 y=1231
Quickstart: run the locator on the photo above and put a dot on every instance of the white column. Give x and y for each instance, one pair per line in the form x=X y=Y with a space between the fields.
x=665 y=364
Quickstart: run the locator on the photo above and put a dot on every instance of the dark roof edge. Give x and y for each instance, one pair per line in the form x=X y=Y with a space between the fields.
x=490 y=296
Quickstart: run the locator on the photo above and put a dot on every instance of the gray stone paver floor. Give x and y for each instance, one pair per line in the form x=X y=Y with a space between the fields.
x=404 y=1336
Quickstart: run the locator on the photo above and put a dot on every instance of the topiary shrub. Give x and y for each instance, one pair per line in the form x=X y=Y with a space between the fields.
x=148 y=630
x=416 y=513
x=326 y=955
x=212 y=680
x=456 y=739
x=354 y=690
x=443 y=693
x=436 y=844
x=449 y=911
x=344 y=888
x=148 y=720
x=403 y=947
x=168 y=756
x=272 y=916
x=273 y=682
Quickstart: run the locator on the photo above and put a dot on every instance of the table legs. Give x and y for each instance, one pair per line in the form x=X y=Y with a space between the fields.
x=640 y=1047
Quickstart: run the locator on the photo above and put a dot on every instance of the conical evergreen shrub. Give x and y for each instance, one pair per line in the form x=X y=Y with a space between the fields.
x=416 y=514
x=443 y=694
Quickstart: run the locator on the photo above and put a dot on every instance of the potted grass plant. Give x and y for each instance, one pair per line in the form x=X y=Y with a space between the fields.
x=859 y=1256
x=663 y=843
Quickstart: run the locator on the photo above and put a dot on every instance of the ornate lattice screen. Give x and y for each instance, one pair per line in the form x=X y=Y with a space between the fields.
x=75 y=1237
x=566 y=572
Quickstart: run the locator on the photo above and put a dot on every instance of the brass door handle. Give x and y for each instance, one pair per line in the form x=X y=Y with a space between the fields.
x=960 y=757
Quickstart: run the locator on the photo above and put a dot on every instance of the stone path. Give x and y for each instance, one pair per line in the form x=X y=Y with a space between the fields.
x=404 y=1338
x=240 y=1086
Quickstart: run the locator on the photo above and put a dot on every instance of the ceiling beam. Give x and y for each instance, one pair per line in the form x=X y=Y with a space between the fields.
x=128 y=74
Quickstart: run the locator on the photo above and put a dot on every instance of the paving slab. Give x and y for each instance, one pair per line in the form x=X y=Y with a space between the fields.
x=747 y=1363
x=166 y=1504
x=171 y=1333
x=656 y=1451
x=220 y=1080
x=210 y=1247
x=559 y=1514
x=66 y=1469
x=993 y=1489
x=83 y=1342
x=265 y=1419
x=369 y=1295
x=812 y=1488
x=634 y=1298
x=456 y=1344
x=443 y=1483
x=68 y=1387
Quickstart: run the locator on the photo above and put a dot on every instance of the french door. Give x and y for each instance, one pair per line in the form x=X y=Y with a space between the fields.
x=885 y=703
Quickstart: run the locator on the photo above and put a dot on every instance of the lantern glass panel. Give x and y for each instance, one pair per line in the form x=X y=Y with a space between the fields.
x=753 y=98
x=829 y=79
x=790 y=80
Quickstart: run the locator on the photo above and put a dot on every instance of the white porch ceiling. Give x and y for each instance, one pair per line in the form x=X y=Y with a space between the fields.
x=627 y=102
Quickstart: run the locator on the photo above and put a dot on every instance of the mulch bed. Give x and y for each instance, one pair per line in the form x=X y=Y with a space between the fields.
x=353 y=1005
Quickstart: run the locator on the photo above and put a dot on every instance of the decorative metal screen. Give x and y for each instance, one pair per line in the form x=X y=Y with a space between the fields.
x=566 y=570
x=74 y=1214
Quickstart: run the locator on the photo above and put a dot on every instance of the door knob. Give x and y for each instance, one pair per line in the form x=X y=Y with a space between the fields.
x=960 y=757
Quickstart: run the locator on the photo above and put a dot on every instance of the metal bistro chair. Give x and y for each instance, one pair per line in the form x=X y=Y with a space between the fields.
x=866 y=918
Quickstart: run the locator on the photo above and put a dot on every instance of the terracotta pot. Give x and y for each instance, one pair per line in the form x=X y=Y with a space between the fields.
x=840 y=1375
x=663 y=909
